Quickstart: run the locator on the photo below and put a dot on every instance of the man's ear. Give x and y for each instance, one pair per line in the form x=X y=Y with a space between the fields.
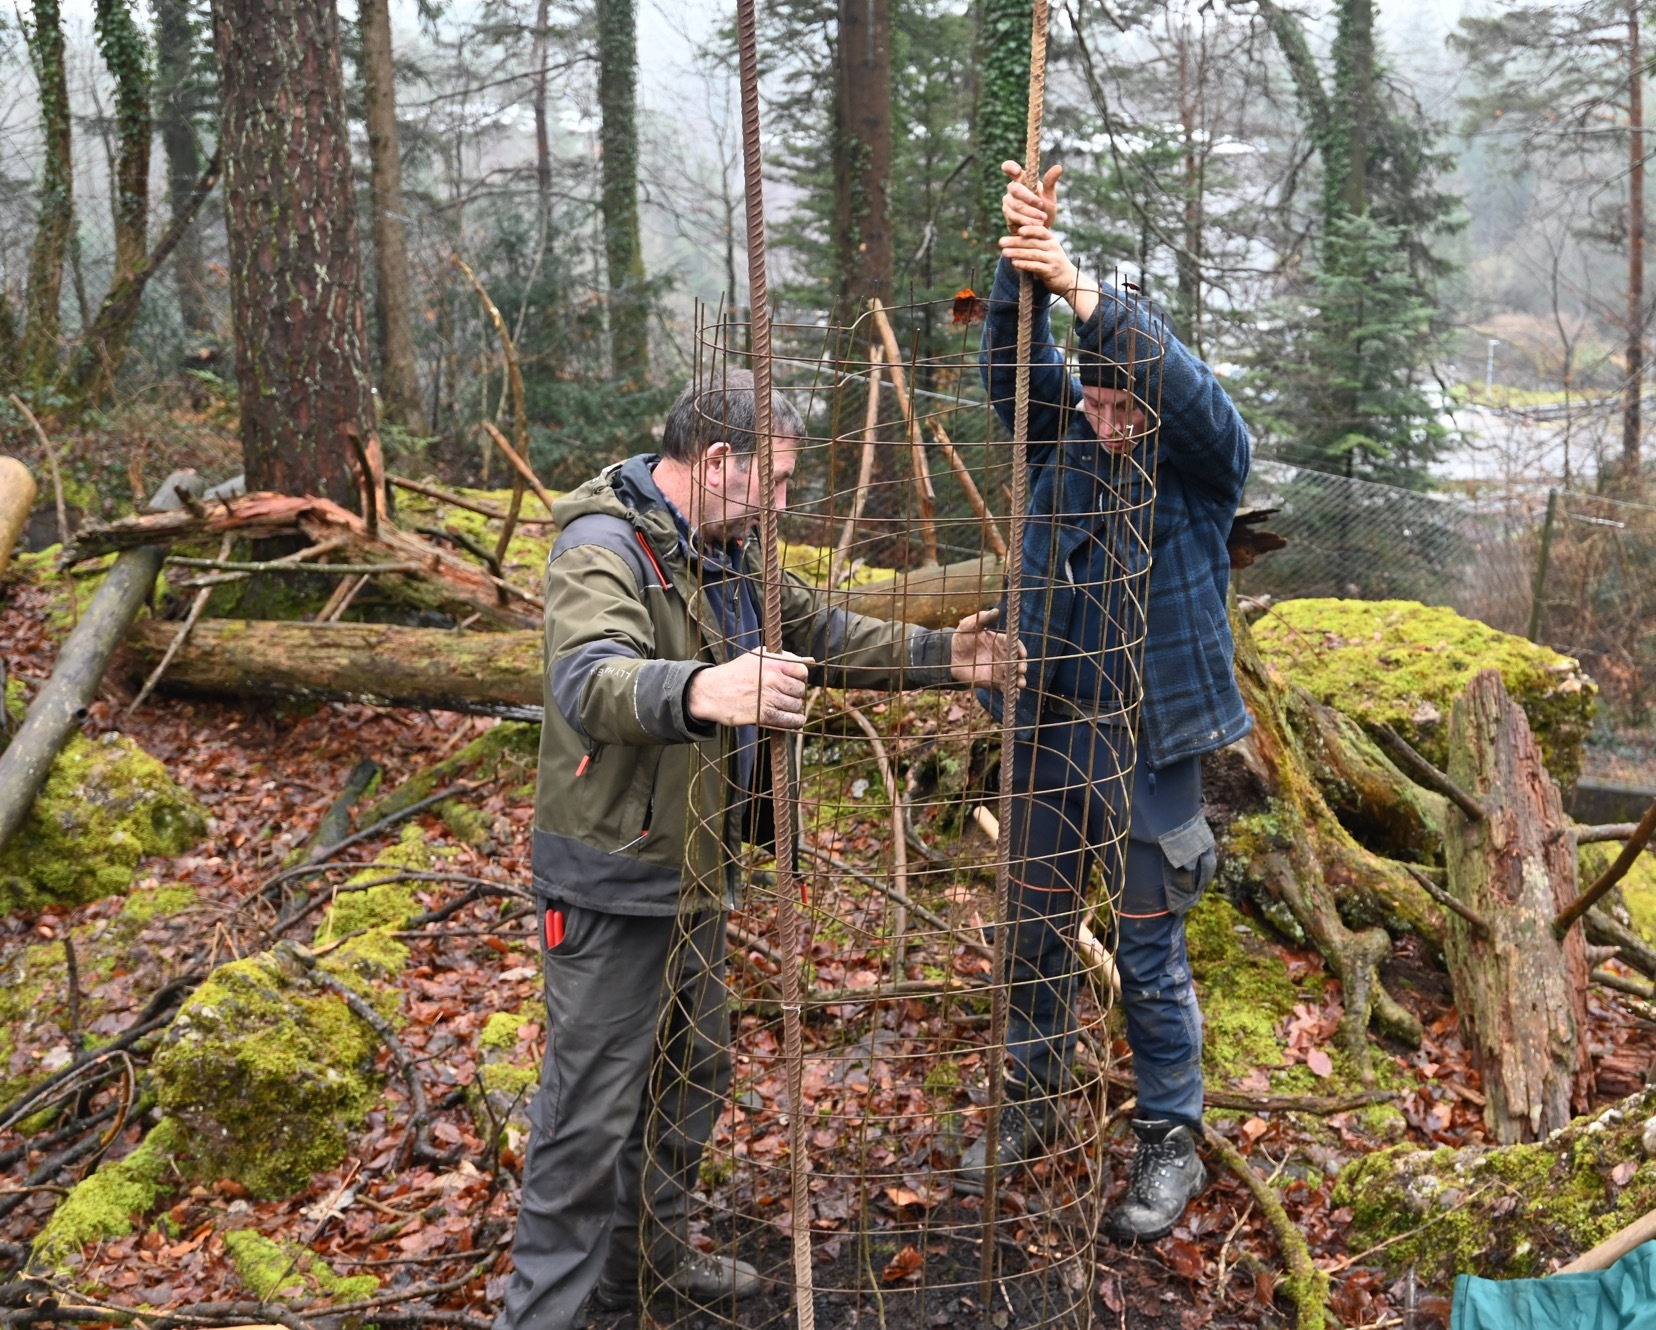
x=713 y=461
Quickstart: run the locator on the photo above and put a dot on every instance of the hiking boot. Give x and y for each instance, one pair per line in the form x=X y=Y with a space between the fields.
x=1026 y=1128
x=1167 y=1175
x=697 y=1275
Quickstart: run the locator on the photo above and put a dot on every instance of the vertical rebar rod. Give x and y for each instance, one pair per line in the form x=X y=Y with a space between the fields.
x=1009 y=682
x=787 y=915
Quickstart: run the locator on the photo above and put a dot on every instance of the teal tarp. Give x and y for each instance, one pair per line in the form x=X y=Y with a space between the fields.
x=1620 y=1298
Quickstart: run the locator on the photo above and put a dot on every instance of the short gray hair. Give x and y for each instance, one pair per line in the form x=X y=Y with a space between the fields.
x=720 y=406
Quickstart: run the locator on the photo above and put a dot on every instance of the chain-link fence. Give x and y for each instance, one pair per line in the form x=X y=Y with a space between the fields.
x=1574 y=571
x=1361 y=540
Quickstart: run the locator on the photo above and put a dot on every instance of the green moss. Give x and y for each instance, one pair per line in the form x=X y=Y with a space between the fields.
x=147 y=902
x=15 y=701
x=104 y=1205
x=389 y=905
x=288 y=1271
x=1638 y=888
x=505 y=1079
x=468 y=825
x=267 y=1075
x=106 y=805
x=500 y=1031
x=494 y=753
x=1244 y=988
x=1403 y=664
x=1501 y=1212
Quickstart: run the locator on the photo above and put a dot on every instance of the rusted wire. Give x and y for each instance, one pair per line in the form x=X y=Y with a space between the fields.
x=787 y=919
x=1010 y=684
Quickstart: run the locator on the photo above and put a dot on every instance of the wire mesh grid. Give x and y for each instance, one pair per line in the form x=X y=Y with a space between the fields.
x=1360 y=540
x=920 y=933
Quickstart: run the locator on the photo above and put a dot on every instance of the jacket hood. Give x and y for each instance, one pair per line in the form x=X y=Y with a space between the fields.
x=624 y=489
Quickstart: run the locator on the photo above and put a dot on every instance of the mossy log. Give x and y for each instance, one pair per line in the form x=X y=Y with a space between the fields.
x=495 y=674
x=1521 y=992
x=1507 y=1212
x=1305 y=868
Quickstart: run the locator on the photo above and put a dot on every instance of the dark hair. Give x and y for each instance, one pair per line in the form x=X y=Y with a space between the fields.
x=721 y=407
x=1096 y=371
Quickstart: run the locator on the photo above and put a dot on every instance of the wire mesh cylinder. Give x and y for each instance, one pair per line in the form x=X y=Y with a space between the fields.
x=897 y=516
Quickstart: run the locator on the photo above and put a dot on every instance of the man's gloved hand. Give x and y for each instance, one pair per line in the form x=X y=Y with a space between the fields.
x=757 y=688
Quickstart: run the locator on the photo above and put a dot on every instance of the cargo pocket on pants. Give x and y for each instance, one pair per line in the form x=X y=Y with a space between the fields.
x=1189 y=863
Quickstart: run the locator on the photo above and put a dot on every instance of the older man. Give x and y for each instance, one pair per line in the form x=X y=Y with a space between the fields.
x=657 y=691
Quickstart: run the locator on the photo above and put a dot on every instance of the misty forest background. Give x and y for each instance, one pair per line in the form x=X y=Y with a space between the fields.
x=1381 y=224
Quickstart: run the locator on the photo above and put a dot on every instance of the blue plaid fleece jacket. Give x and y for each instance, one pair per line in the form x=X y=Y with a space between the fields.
x=1191 y=703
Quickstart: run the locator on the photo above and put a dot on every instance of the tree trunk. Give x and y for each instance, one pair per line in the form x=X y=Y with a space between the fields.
x=862 y=154
x=623 y=249
x=1636 y=148
x=57 y=199
x=1521 y=993
x=295 y=262
x=497 y=674
x=1002 y=120
x=176 y=41
x=1189 y=257
x=97 y=361
x=399 y=373
x=1345 y=157
x=1304 y=868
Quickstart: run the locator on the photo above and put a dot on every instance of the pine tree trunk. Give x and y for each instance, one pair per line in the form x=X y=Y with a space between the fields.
x=176 y=40
x=1002 y=119
x=862 y=154
x=1346 y=146
x=295 y=260
x=399 y=372
x=1632 y=403
x=623 y=249
x=57 y=200
x=1521 y=992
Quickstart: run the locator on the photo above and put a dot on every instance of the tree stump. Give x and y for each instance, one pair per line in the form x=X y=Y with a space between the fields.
x=1521 y=992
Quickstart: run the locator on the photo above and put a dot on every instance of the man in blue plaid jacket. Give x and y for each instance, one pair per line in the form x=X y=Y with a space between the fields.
x=1092 y=548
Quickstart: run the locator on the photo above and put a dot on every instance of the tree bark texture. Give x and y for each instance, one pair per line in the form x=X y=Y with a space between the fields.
x=490 y=673
x=1003 y=104
x=399 y=371
x=58 y=707
x=618 y=136
x=56 y=197
x=862 y=154
x=1636 y=149
x=1305 y=867
x=1345 y=154
x=1522 y=993
x=295 y=260
x=177 y=89
x=126 y=55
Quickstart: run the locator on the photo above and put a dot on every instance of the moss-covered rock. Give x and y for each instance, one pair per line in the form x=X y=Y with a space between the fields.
x=1507 y=1212
x=1403 y=664
x=109 y=1202
x=387 y=906
x=266 y=1074
x=106 y=805
x=288 y=1272
x=142 y=937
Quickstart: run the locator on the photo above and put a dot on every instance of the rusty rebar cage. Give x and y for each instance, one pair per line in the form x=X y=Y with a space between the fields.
x=901 y=930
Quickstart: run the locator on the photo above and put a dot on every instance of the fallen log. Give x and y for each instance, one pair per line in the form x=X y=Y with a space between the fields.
x=491 y=674
x=17 y=495
x=931 y=597
x=1521 y=990
x=61 y=703
x=444 y=581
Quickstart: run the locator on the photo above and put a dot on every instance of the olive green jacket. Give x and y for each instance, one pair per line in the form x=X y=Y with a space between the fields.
x=635 y=808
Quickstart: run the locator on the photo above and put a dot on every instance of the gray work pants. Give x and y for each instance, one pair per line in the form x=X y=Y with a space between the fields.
x=636 y=1016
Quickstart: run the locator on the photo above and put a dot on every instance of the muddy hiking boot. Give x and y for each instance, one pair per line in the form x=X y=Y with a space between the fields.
x=697 y=1275
x=1027 y=1127
x=1167 y=1175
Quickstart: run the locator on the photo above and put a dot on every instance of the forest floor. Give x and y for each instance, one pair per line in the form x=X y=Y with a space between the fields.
x=265 y=774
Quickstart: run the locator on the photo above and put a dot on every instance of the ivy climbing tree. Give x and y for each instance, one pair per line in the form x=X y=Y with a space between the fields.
x=1002 y=119
x=56 y=216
